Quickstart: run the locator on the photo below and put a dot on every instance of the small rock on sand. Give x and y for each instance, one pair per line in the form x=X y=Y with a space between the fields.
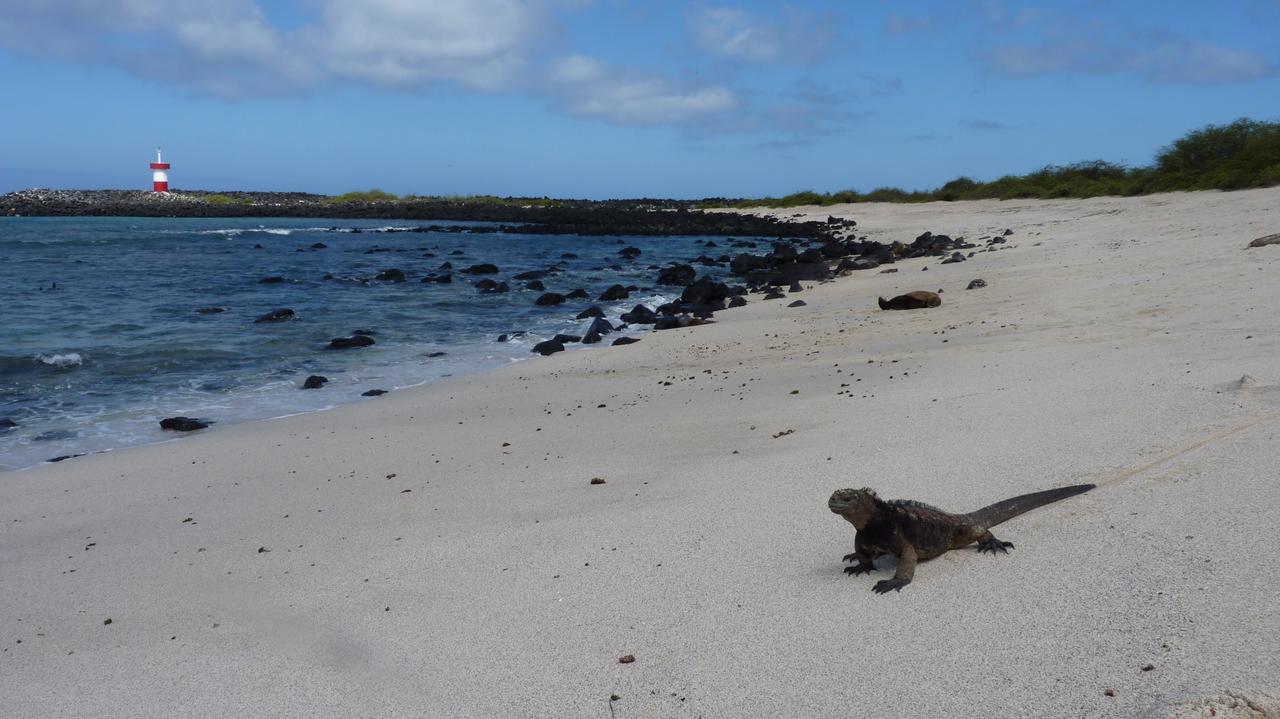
x=182 y=424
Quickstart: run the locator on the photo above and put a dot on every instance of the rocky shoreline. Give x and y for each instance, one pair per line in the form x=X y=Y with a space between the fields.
x=558 y=217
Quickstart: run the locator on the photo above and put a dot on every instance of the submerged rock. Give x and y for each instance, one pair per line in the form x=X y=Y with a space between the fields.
x=373 y=393
x=342 y=343
x=278 y=315
x=315 y=381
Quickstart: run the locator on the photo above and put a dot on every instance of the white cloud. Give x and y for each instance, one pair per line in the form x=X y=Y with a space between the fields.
x=482 y=44
x=587 y=87
x=797 y=36
x=1177 y=60
x=731 y=32
x=230 y=49
x=1056 y=43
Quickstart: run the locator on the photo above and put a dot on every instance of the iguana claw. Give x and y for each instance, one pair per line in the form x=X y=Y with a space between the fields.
x=995 y=545
x=884 y=586
x=857 y=569
x=850 y=557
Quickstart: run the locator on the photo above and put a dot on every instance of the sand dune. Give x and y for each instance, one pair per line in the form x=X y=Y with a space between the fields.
x=441 y=551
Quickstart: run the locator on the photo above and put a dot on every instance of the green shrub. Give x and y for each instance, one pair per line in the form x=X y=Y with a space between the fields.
x=374 y=195
x=1243 y=154
x=220 y=199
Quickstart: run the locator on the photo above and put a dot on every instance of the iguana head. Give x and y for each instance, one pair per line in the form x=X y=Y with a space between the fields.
x=855 y=505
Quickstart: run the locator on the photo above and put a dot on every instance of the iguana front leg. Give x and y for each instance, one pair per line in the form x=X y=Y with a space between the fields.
x=862 y=554
x=907 y=559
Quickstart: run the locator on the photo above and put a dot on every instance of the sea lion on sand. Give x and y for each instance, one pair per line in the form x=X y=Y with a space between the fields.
x=911 y=301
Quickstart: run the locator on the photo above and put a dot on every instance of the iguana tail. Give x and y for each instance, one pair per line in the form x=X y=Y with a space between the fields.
x=1008 y=509
x=883 y=305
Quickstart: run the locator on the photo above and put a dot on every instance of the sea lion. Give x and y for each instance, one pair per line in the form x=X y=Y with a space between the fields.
x=911 y=301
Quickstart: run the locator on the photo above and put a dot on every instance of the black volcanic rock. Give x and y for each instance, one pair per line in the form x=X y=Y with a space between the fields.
x=705 y=291
x=640 y=315
x=667 y=322
x=550 y=299
x=535 y=285
x=578 y=294
x=566 y=339
x=623 y=341
x=591 y=311
x=598 y=328
x=272 y=280
x=373 y=393
x=738 y=301
x=342 y=343
x=976 y=284
x=745 y=263
x=315 y=381
x=629 y=252
x=278 y=315
x=182 y=424
x=444 y=279
x=798 y=303
x=391 y=275
x=615 y=292
x=530 y=275
x=210 y=310
x=833 y=250
x=676 y=275
x=549 y=347
x=790 y=272
x=489 y=287
x=616 y=218
x=483 y=268
x=7 y=424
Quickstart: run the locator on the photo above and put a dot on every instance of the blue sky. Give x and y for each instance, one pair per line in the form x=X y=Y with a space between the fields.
x=612 y=98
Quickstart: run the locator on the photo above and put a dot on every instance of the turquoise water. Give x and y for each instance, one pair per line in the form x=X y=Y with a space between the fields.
x=95 y=363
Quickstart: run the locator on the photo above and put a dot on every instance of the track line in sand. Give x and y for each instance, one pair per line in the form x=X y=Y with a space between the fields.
x=1170 y=456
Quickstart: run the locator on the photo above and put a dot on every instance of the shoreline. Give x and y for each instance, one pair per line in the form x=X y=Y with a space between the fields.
x=442 y=551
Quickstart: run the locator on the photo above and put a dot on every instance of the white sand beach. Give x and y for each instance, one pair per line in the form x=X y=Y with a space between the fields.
x=441 y=552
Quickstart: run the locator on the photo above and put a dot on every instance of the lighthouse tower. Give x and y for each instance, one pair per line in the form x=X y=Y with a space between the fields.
x=159 y=176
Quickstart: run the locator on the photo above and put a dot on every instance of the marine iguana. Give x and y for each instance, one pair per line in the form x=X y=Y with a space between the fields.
x=914 y=531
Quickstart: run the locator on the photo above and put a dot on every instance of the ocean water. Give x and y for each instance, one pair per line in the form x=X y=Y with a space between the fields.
x=94 y=364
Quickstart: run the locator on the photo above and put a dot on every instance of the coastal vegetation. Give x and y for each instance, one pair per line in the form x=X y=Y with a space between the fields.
x=221 y=199
x=374 y=195
x=1236 y=156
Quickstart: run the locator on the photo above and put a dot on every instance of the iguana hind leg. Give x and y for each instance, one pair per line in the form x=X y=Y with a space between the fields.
x=987 y=542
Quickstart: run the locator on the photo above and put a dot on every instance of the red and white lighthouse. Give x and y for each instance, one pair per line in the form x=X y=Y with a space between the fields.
x=159 y=174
